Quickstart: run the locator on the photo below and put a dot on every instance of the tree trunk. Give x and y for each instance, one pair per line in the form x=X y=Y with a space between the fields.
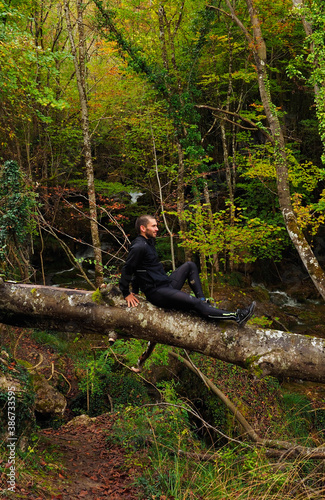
x=161 y=201
x=80 y=69
x=181 y=194
x=262 y=351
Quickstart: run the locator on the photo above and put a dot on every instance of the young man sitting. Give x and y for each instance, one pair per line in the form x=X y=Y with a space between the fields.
x=146 y=273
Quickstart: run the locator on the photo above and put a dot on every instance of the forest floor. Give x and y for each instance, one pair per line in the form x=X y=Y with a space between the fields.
x=76 y=462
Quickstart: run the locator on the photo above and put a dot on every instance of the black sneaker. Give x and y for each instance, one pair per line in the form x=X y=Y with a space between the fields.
x=243 y=315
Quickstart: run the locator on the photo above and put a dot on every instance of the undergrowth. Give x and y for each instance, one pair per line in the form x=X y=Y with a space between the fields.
x=39 y=470
x=161 y=436
x=176 y=466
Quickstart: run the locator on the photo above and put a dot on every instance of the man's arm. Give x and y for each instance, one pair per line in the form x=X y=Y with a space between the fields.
x=133 y=259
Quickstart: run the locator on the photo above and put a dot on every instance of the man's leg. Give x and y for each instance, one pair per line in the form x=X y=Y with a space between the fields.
x=187 y=271
x=169 y=298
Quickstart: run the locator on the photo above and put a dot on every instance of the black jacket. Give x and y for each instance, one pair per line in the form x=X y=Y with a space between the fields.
x=143 y=268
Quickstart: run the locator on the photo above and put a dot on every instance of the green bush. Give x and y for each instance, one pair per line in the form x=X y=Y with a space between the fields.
x=166 y=422
x=104 y=387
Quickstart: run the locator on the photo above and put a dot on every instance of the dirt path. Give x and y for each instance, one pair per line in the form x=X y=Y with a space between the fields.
x=91 y=468
x=76 y=461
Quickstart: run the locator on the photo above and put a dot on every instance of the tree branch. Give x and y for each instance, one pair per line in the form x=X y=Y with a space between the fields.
x=261 y=351
x=237 y=115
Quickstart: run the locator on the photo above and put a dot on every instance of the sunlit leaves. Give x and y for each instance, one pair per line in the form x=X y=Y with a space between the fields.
x=302 y=175
x=311 y=216
x=22 y=63
x=240 y=239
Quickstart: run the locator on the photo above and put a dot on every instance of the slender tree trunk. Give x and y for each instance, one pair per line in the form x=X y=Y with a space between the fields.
x=315 y=31
x=204 y=274
x=169 y=60
x=215 y=260
x=180 y=192
x=308 y=29
x=79 y=58
x=161 y=201
x=229 y=169
x=229 y=183
x=230 y=174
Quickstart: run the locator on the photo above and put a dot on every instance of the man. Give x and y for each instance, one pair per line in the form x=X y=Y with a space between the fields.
x=144 y=270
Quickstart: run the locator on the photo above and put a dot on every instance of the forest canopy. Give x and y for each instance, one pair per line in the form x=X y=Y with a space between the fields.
x=211 y=113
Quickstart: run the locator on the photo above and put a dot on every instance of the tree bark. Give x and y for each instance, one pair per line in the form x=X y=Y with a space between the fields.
x=314 y=29
x=262 y=351
x=79 y=59
x=181 y=194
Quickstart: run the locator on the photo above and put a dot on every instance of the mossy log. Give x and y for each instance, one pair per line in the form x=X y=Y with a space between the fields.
x=262 y=351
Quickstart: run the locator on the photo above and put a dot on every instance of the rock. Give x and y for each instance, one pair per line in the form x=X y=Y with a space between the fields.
x=81 y=420
x=48 y=400
x=7 y=380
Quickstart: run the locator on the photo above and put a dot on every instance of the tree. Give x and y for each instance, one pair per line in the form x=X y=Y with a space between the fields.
x=230 y=235
x=263 y=351
x=313 y=20
x=24 y=101
x=258 y=48
x=79 y=58
x=169 y=63
x=17 y=222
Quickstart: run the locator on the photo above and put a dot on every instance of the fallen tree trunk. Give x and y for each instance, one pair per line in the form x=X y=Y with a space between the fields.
x=262 y=351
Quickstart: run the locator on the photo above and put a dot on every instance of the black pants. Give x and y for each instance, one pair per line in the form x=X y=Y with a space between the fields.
x=171 y=296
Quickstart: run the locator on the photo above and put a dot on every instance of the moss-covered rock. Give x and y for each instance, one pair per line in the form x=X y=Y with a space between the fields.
x=48 y=400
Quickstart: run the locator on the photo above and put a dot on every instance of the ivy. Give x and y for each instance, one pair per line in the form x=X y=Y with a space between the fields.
x=178 y=87
x=25 y=396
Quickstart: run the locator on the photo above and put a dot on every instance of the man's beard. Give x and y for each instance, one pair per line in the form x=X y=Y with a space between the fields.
x=150 y=234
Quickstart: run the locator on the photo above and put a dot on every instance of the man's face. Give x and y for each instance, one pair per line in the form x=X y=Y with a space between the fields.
x=151 y=230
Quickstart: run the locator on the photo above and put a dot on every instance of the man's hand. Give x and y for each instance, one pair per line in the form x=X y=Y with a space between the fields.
x=132 y=300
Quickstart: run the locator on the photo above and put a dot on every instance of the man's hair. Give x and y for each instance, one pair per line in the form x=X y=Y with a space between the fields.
x=143 y=220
